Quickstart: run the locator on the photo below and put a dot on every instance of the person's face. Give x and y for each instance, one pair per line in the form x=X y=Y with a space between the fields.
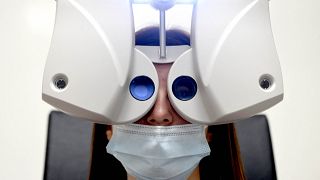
x=162 y=113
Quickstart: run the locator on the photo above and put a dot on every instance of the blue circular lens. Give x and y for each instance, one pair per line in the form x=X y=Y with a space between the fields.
x=184 y=88
x=142 y=88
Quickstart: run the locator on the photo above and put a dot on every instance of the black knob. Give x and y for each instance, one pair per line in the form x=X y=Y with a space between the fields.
x=265 y=83
x=60 y=83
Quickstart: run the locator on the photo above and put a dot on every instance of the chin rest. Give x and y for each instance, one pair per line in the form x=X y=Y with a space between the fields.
x=71 y=140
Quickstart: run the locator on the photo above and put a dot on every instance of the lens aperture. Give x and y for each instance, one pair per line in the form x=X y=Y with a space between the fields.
x=184 y=88
x=142 y=88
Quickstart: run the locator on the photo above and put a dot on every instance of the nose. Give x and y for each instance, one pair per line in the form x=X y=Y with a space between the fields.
x=161 y=114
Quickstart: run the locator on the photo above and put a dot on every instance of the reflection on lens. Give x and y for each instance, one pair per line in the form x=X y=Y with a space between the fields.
x=184 y=88
x=142 y=88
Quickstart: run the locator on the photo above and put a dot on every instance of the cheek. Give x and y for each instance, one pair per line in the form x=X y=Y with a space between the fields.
x=209 y=136
x=109 y=135
x=177 y=119
x=109 y=132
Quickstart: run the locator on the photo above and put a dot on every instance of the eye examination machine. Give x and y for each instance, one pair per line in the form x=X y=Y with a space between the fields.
x=229 y=72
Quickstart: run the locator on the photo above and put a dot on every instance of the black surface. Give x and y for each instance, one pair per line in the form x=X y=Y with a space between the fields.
x=68 y=148
x=104 y=166
x=256 y=148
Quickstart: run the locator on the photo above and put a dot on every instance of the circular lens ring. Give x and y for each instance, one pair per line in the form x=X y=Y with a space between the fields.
x=184 y=88
x=142 y=88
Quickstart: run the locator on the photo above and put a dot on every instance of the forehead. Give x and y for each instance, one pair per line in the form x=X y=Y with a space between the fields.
x=163 y=69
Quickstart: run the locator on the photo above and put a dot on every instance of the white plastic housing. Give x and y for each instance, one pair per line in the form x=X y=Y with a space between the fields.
x=92 y=48
x=232 y=50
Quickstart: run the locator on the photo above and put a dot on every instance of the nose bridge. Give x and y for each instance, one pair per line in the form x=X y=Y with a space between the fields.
x=161 y=113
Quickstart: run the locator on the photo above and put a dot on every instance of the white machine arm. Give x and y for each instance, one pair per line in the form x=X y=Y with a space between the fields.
x=90 y=60
x=94 y=70
x=233 y=60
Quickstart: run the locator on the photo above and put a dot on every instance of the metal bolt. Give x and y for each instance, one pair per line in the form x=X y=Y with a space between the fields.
x=60 y=83
x=265 y=83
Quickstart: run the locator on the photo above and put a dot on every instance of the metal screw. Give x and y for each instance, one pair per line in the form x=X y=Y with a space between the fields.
x=60 y=83
x=265 y=83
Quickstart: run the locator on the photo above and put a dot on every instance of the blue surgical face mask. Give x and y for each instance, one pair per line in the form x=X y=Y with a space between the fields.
x=159 y=152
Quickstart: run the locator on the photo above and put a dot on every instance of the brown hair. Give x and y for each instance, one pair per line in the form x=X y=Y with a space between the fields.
x=224 y=161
